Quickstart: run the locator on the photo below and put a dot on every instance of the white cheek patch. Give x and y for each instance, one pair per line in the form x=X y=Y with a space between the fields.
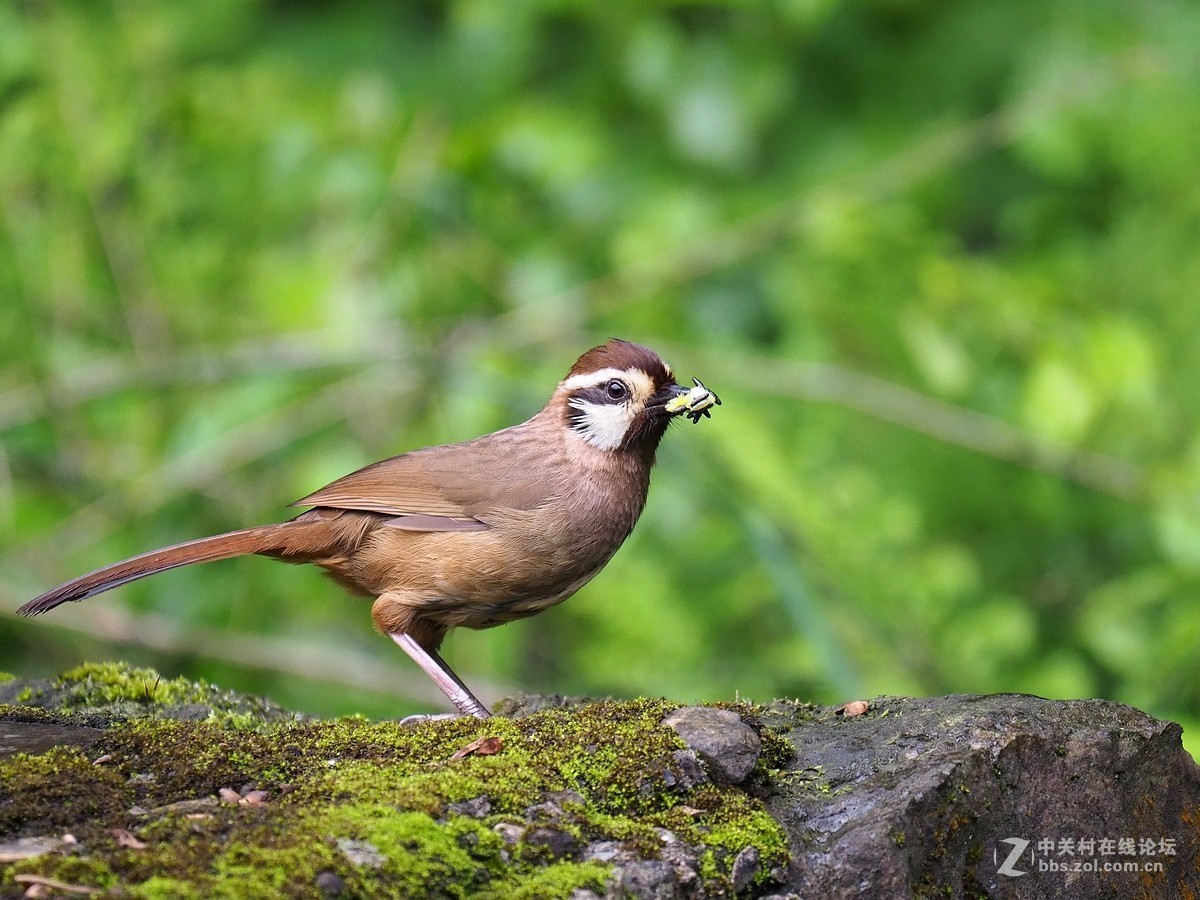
x=603 y=425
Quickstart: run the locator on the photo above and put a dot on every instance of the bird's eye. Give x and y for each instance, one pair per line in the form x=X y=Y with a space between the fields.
x=616 y=390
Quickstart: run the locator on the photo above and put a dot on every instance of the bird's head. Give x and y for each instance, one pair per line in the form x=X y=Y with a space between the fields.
x=620 y=397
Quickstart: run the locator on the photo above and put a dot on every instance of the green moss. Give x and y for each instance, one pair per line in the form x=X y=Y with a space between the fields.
x=120 y=691
x=734 y=826
x=16 y=712
x=777 y=751
x=93 y=873
x=262 y=868
x=810 y=778
x=158 y=888
x=6 y=677
x=729 y=824
x=55 y=790
x=101 y=684
x=381 y=783
x=560 y=880
x=422 y=856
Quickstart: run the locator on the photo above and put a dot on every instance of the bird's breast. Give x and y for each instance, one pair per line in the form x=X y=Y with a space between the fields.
x=524 y=561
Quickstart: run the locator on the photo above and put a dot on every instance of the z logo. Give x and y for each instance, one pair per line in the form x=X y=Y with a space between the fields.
x=1006 y=867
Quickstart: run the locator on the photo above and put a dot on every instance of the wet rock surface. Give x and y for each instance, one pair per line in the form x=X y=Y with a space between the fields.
x=928 y=796
x=38 y=737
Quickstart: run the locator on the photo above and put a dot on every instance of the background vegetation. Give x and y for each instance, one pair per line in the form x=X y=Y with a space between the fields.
x=939 y=260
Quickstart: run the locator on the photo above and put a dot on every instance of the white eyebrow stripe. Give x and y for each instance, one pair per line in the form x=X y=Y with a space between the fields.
x=599 y=377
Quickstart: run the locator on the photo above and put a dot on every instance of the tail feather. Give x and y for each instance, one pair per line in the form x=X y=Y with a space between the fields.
x=222 y=546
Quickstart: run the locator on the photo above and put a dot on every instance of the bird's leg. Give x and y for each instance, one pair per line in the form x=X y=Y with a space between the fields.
x=449 y=683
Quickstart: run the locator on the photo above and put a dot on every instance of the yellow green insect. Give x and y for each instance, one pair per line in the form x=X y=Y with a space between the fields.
x=697 y=402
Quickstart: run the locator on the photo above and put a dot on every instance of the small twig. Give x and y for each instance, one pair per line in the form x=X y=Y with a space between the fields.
x=890 y=402
x=287 y=354
x=922 y=158
x=43 y=881
x=193 y=470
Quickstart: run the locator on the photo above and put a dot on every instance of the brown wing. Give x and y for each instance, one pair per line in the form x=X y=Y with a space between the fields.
x=463 y=483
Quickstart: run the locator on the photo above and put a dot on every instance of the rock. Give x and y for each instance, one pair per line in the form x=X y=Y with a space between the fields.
x=556 y=843
x=38 y=737
x=565 y=798
x=985 y=796
x=605 y=851
x=476 y=807
x=509 y=832
x=745 y=868
x=29 y=847
x=601 y=851
x=546 y=810
x=330 y=884
x=727 y=745
x=960 y=796
x=648 y=880
x=689 y=773
x=684 y=861
x=361 y=853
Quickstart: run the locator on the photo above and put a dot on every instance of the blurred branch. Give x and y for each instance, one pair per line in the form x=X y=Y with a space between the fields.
x=907 y=167
x=275 y=356
x=296 y=352
x=306 y=351
x=885 y=400
x=108 y=202
x=292 y=656
x=193 y=470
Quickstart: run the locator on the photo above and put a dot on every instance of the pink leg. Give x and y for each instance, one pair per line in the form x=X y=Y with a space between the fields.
x=449 y=683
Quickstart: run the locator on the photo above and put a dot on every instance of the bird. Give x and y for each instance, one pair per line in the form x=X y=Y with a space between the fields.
x=472 y=534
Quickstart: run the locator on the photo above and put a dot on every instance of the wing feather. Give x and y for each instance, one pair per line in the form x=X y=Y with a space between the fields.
x=462 y=483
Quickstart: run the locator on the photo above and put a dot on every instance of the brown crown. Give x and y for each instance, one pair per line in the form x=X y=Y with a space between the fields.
x=618 y=354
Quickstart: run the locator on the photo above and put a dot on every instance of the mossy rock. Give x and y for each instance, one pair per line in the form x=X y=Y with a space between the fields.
x=173 y=789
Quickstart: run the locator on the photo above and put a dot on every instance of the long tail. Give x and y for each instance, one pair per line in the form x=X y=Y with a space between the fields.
x=222 y=546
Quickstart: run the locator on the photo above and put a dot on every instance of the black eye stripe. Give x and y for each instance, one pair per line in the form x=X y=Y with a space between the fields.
x=602 y=395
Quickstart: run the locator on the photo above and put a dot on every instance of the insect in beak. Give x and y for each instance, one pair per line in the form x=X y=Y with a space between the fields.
x=694 y=403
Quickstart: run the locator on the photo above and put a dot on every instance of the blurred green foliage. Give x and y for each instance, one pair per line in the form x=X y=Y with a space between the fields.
x=939 y=259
